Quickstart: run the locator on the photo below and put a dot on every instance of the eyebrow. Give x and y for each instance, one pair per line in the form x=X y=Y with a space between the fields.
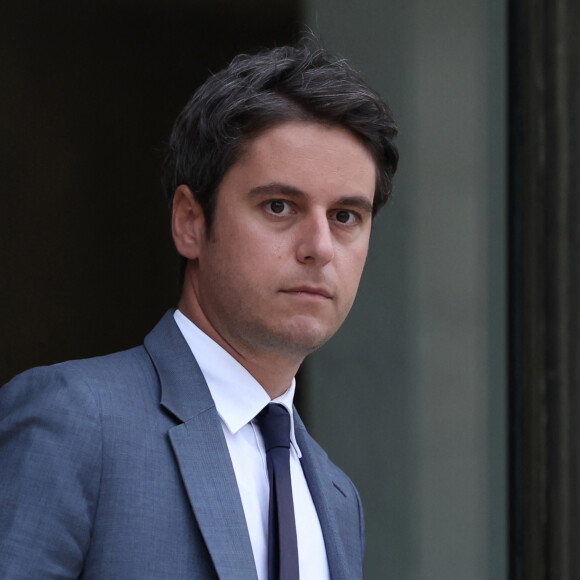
x=358 y=201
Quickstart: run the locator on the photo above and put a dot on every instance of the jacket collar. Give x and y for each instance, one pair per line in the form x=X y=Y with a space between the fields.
x=201 y=452
x=327 y=496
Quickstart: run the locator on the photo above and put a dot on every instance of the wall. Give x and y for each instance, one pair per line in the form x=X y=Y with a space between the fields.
x=410 y=397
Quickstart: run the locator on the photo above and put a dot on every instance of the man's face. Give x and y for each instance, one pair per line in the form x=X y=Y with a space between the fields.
x=282 y=265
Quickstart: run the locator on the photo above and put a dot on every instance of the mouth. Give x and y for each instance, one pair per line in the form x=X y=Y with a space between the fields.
x=313 y=292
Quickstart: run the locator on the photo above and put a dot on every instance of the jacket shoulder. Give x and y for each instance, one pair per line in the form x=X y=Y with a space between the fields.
x=85 y=377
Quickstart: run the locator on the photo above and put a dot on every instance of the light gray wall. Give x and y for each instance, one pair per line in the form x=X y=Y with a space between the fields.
x=410 y=396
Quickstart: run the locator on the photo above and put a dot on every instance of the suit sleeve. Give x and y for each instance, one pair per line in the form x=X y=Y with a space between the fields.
x=50 y=458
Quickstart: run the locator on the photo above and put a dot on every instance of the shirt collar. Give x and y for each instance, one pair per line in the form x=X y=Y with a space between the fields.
x=237 y=395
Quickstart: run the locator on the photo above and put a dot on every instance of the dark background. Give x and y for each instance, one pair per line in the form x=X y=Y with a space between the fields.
x=89 y=95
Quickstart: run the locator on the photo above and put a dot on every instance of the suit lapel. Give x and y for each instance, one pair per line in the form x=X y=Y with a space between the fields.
x=324 y=495
x=201 y=452
x=211 y=486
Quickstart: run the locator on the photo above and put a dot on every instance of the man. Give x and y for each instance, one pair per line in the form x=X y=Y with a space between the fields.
x=151 y=463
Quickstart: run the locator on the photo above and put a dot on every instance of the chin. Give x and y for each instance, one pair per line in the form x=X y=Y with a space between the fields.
x=306 y=336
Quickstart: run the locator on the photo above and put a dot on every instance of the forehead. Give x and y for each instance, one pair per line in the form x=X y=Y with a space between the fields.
x=309 y=155
x=302 y=131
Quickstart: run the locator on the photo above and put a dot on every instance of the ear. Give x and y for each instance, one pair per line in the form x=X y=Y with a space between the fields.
x=187 y=223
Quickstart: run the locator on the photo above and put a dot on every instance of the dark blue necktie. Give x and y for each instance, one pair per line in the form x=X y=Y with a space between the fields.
x=282 y=544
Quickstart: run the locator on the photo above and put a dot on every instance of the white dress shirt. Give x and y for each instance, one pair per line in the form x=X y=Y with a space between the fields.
x=238 y=399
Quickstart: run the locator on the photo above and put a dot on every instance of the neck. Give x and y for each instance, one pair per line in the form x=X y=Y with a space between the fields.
x=274 y=371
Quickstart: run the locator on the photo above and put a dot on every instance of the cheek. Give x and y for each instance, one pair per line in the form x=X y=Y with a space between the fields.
x=351 y=281
x=353 y=262
x=266 y=252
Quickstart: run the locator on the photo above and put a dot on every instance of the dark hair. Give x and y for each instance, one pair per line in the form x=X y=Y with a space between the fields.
x=257 y=92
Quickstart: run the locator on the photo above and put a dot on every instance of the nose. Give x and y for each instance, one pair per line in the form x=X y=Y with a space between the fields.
x=315 y=242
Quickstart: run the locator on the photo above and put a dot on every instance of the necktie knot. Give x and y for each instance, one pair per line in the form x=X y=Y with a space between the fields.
x=274 y=423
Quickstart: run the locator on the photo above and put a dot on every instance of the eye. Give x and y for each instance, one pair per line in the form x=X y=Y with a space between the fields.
x=345 y=217
x=278 y=207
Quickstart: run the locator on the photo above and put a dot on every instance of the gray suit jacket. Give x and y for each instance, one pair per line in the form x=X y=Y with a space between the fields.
x=117 y=468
